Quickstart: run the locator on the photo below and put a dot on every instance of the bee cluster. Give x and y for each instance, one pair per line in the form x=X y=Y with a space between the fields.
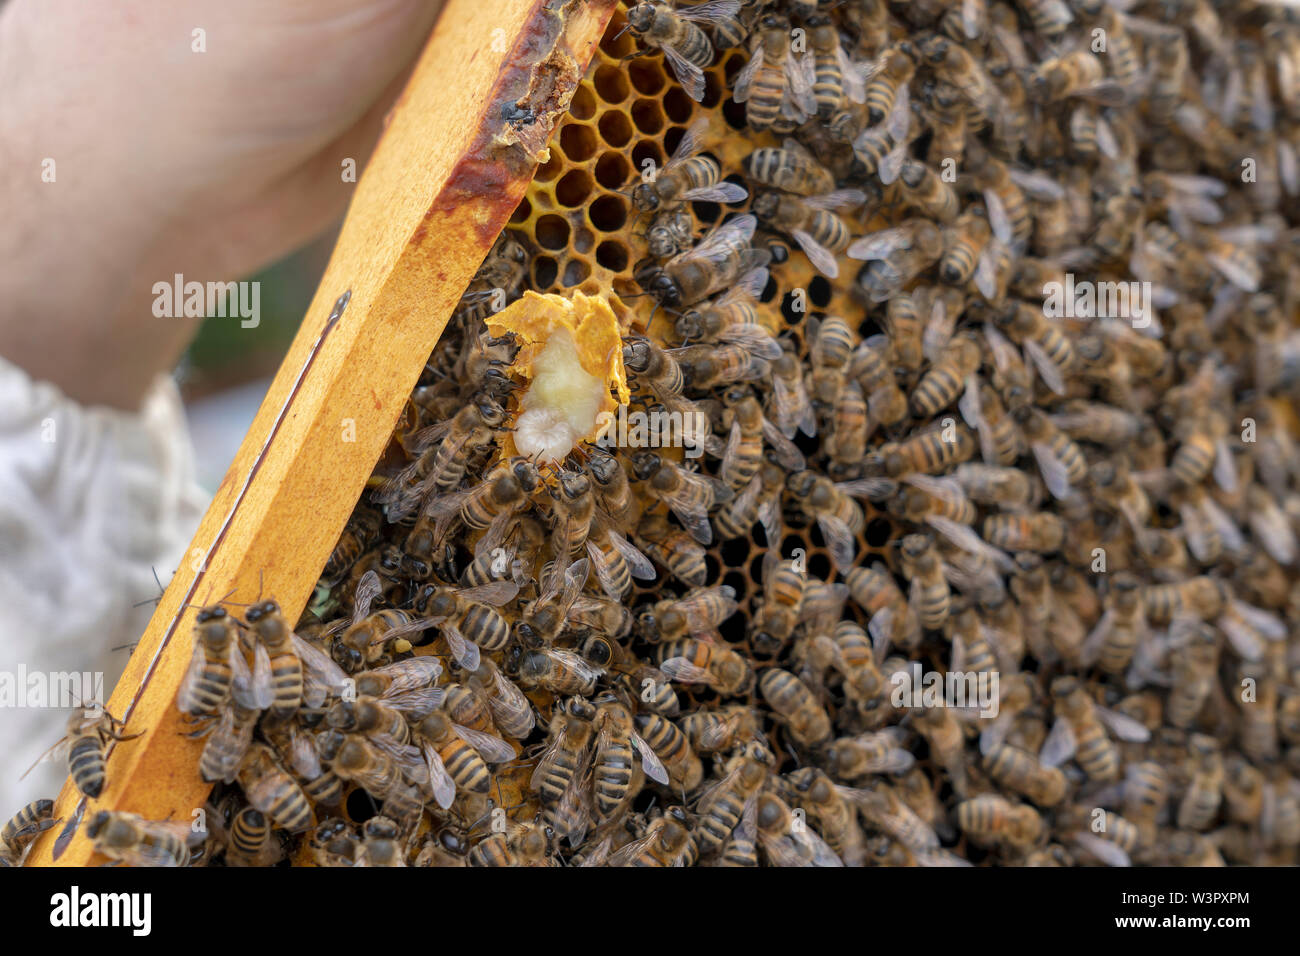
x=854 y=244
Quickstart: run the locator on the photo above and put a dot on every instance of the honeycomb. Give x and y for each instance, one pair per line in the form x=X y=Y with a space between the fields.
x=581 y=233
x=578 y=220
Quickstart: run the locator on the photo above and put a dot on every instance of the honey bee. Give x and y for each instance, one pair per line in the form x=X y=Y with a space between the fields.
x=1122 y=627
x=272 y=791
x=557 y=670
x=896 y=69
x=613 y=764
x=787 y=842
x=835 y=77
x=928 y=452
x=895 y=256
x=497 y=282
x=665 y=843
x=467 y=619
x=689 y=495
x=930 y=596
x=962 y=246
x=722 y=805
x=776 y=85
x=812 y=223
x=757 y=502
x=947 y=378
x=692 y=661
x=924 y=190
x=992 y=819
x=1079 y=73
x=791 y=169
x=673 y=749
x=358 y=535
x=1200 y=803
x=1060 y=460
x=797 y=706
x=561 y=777
x=876 y=752
x=83 y=749
x=457 y=757
x=381 y=771
x=231 y=732
x=24 y=827
x=675 y=550
x=442 y=456
x=1113 y=841
x=783 y=590
x=687 y=177
x=216 y=659
x=512 y=712
x=838 y=517
x=1080 y=732
x=676 y=32
x=790 y=408
x=1020 y=771
x=135 y=841
x=723 y=259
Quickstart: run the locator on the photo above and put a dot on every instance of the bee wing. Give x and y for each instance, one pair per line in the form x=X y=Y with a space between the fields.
x=441 y=784
x=704 y=612
x=881 y=630
x=1050 y=372
x=719 y=192
x=186 y=701
x=1055 y=475
x=321 y=676
x=690 y=76
x=745 y=78
x=692 y=142
x=252 y=689
x=368 y=588
x=869 y=489
x=489 y=746
x=788 y=455
x=1096 y=639
x=754 y=339
x=1102 y=849
x=409 y=675
x=1225 y=468
x=938 y=330
x=714 y=11
x=1269 y=625
x=641 y=567
x=719 y=243
x=839 y=540
x=1037 y=184
x=789 y=398
x=969 y=540
x=682 y=671
x=447 y=506
x=800 y=75
x=986 y=269
x=823 y=259
x=651 y=764
x=769 y=516
x=509 y=705
x=1059 y=745
x=881 y=244
x=1123 y=726
x=999 y=221
x=972 y=412
x=465 y=652
x=494 y=593
x=416 y=703
x=302 y=756
x=55 y=753
x=629 y=852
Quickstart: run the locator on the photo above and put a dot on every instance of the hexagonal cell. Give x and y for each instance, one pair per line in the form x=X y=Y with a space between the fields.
x=552 y=232
x=648 y=116
x=613 y=255
x=647 y=76
x=611 y=85
x=583 y=105
x=574 y=188
x=579 y=142
x=615 y=128
x=608 y=213
x=612 y=171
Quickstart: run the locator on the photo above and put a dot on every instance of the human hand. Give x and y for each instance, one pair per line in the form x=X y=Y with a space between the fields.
x=170 y=160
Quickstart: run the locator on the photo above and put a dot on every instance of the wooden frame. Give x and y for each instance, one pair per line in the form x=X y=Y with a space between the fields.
x=459 y=149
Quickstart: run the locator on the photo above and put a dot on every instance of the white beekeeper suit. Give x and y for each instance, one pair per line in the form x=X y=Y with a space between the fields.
x=92 y=501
